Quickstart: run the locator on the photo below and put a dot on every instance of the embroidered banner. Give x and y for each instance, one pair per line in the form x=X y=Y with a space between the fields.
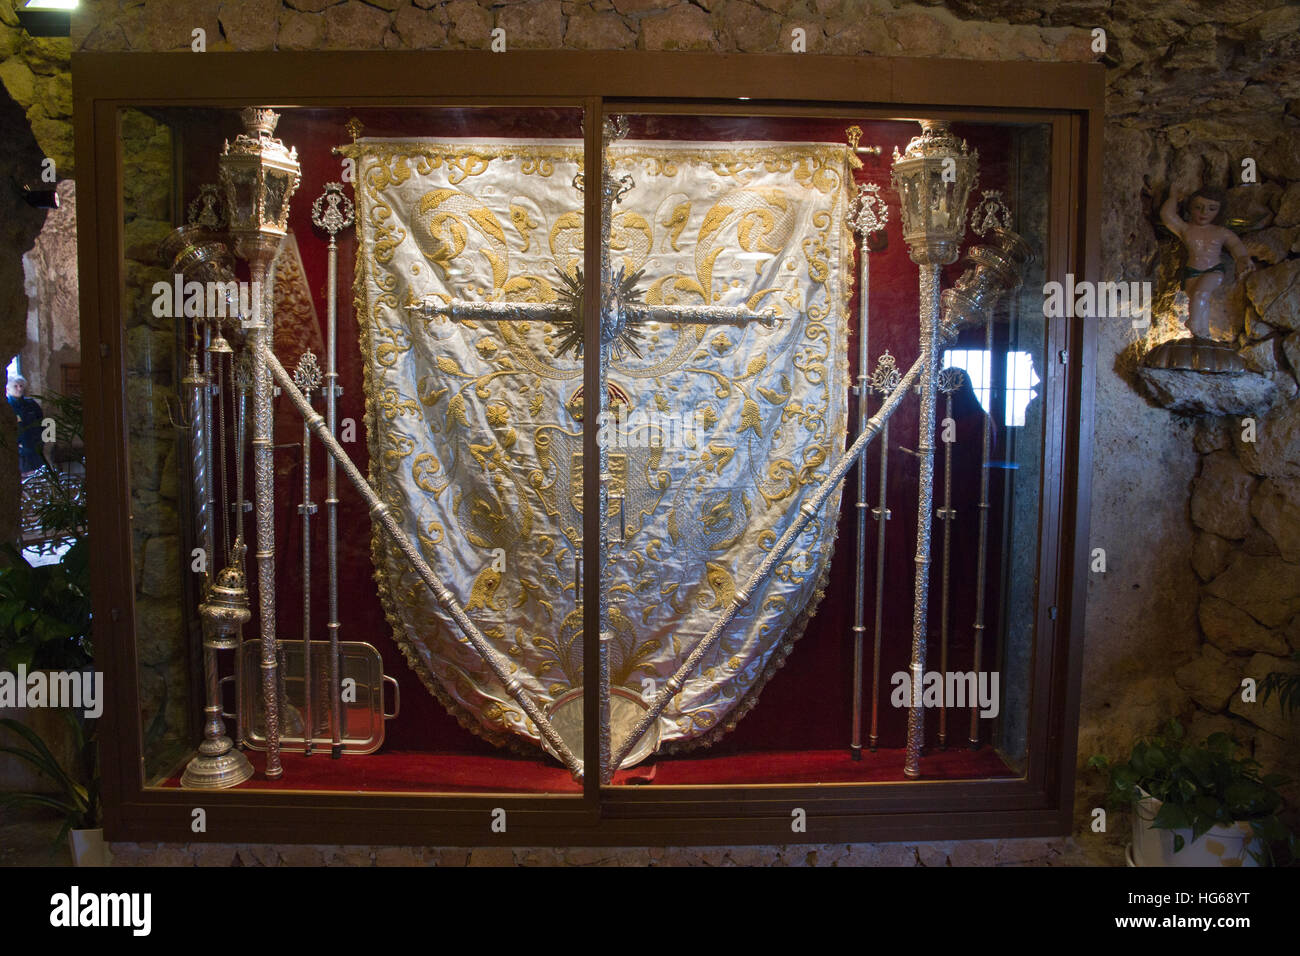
x=475 y=428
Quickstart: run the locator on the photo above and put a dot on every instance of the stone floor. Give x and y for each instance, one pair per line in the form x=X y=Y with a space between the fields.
x=26 y=837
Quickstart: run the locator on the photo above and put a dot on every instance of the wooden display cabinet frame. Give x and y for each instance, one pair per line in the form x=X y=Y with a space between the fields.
x=1069 y=97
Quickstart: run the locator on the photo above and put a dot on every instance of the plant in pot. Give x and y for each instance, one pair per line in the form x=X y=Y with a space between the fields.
x=76 y=796
x=1198 y=804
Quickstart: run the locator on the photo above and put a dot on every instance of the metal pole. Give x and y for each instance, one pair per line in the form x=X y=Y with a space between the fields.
x=981 y=567
x=929 y=362
x=308 y=378
x=381 y=513
x=947 y=514
x=882 y=515
x=243 y=383
x=884 y=379
x=868 y=214
x=767 y=566
x=859 y=598
x=333 y=212
x=259 y=335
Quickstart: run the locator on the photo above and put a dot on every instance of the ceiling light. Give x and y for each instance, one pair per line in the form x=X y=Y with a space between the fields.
x=47 y=18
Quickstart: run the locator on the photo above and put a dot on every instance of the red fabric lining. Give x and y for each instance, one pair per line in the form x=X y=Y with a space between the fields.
x=442 y=772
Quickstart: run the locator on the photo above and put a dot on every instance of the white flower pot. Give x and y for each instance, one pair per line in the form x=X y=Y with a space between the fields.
x=1221 y=846
x=88 y=847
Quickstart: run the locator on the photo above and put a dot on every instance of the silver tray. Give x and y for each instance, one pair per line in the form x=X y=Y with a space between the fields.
x=362 y=730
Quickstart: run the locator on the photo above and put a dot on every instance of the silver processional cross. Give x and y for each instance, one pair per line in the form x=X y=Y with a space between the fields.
x=621 y=319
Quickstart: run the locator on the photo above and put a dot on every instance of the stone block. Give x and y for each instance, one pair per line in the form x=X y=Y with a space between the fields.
x=471 y=25
x=1209 y=555
x=1276 y=506
x=1252 y=205
x=1266 y=588
x=1275 y=292
x=1234 y=631
x=1275 y=452
x=1210 y=679
x=1221 y=496
x=300 y=31
x=538 y=25
x=598 y=31
x=250 y=24
x=355 y=26
x=1288 y=209
x=420 y=29
x=681 y=28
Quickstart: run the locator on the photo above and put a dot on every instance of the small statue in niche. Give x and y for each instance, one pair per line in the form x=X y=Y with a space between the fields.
x=1204 y=238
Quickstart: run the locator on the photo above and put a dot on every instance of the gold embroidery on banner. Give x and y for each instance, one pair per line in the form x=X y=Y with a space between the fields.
x=487 y=415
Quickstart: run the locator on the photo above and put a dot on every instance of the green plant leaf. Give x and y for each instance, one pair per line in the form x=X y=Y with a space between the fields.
x=1172 y=816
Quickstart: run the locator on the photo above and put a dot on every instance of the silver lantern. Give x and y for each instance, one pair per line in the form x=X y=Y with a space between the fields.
x=934 y=178
x=259 y=176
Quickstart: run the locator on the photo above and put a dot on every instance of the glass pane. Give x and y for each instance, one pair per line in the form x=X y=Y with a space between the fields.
x=725 y=420
x=458 y=400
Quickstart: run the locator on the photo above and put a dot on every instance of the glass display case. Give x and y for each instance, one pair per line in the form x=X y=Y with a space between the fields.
x=643 y=467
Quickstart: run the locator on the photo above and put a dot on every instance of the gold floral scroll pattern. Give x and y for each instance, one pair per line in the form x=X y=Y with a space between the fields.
x=475 y=428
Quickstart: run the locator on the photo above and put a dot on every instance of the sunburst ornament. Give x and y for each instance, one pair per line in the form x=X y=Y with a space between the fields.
x=622 y=336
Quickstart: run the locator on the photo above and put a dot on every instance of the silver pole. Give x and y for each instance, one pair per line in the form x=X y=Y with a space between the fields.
x=947 y=514
x=867 y=215
x=382 y=514
x=243 y=383
x=261 y=254
x=308 y=378
x=859 y=598
x=333 y=212
x=767 y=566
x=981 y=567
x=882 y=515
x=929 y=361
x=204 y=473
x=884 y=379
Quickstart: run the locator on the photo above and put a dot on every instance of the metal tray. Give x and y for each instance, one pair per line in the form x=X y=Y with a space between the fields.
x=363 y=718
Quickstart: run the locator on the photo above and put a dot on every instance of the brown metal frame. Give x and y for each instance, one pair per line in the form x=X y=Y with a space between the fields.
x=1069 y=96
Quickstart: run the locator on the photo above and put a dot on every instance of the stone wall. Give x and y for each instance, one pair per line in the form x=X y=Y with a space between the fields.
x=53 y=327
x=1190 y=87
x=154 y=404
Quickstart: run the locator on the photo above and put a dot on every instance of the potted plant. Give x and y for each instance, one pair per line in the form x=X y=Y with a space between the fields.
x=77 y=790
x=1197 y=804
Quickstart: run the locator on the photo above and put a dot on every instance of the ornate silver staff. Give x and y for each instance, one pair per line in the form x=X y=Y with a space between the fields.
x=884 y=379
x=950 y=379
x=867 y=215
x=934 y=177
x=259 y=176
x=308 y=378
x=333 y=212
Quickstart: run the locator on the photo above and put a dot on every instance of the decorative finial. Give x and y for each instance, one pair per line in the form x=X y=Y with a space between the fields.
x=990 y=213
x=332 y=210
x=354 y=127
x=868 y=212
x=307 y=376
